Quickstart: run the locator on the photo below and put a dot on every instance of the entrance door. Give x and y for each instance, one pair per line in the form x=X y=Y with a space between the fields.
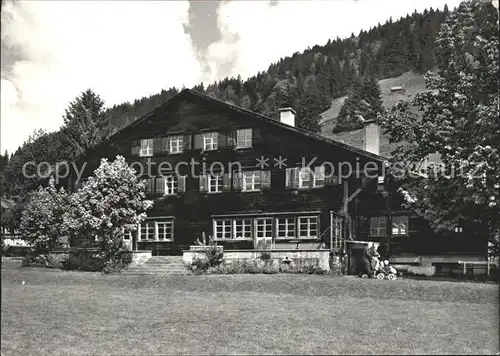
x=263 y=236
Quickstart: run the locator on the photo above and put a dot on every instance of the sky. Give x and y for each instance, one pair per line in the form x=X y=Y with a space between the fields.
x=51 y=51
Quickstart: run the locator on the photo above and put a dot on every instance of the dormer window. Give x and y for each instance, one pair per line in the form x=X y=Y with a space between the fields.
x=176 y=144
x=146 y=148
x=244 y=138
x=210 y=141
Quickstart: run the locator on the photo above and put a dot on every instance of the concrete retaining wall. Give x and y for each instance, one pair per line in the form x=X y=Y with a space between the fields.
x=316 y=258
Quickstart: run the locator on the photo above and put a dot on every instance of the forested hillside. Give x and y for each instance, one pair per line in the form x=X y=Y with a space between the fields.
x=310 y=80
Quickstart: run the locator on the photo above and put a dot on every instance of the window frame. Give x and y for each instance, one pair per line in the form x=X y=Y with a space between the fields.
x=218 y=183
x=269 y=222
x=379 y=231
x=299 y=230
x=312 y=177
x=243 y=229
x=246 y=139
x=214 y=141
x=166 y=224
x=145 y=224
x=253 y=181
x=174 y=181
x=287 y=229
x=148 y=147
x=399 y=219
x=155 y=227
x=179 y=144
x=225 y=223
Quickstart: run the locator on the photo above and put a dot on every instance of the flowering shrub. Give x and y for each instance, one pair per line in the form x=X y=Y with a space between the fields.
x=42 y=222
x=111 y=201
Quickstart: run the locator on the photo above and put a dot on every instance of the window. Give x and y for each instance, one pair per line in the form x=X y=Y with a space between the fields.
x=176 y=144
x=146 y=148
x=127 y=235
x=264 y=228
x=286 y=228
x=308 y=227
x=148 y=230
x=459 y=229
x=312 y=179
x=171 y=185
x=244 y=138
x=243 y=229
x=251 y=181
x=378 y=226
x=157 y=230
x=399 y=225
x=165 y=230
x=214 y=183
x=210 y=141
x=223 y=229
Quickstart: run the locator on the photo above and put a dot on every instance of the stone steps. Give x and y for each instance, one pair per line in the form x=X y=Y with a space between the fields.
x=160 y=265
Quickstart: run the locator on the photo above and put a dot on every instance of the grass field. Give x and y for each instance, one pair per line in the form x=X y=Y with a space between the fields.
x=58 y=312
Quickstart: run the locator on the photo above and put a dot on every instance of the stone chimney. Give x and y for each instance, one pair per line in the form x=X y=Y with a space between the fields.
x=287 y=116
x=372 y=136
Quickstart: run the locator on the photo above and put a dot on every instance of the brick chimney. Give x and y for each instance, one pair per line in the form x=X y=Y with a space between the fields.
x=287 y=116
x=372 y=136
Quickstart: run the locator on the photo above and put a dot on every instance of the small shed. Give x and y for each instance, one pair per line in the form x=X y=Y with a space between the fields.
x=397 y=90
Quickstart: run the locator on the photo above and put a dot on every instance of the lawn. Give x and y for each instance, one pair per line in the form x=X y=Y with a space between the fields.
x=58 y=312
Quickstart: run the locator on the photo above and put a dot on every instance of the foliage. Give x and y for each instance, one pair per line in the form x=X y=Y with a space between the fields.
x=41 y=146
x=34 y=260
x=214 y=254
x=42 y=222
x=254 y=267
x=265 y=256
x=85 y=121
x=111 y=201
x=15 y=251
x=458 y=119
x=92 y=261
x=363 y=103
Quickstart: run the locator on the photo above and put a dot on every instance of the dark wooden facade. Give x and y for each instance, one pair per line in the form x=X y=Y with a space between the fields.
x=189 y=114
x=193 y=211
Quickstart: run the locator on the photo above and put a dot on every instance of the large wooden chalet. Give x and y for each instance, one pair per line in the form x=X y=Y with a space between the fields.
x=240 y=177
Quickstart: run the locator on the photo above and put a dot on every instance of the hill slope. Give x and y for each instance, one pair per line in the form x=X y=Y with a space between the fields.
x=411 y=82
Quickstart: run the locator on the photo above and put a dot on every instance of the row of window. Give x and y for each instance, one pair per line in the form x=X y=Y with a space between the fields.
x=379 y=225
x=154 y=230
x=206 y=141
x=289 y=227
x=247 y=181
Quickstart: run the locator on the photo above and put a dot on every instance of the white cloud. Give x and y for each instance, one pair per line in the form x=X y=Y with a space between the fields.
x=255 y=35
x=122 y=50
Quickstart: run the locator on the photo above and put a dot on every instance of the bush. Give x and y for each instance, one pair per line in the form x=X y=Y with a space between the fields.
x=213 y=255
x=33 y=260
x=253 y=267
x=92 y=261
x=16 y=251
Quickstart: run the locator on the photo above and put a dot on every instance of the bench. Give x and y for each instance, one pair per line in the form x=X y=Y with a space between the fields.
x=487 y=263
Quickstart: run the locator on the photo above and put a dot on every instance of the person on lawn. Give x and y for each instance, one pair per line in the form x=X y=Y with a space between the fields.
x=375 y=258
x=367 y=260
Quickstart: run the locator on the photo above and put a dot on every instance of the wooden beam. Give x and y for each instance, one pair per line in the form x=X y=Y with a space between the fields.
x=359 y=190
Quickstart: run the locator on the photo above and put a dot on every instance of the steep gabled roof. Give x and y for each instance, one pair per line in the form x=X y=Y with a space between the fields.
x=191 y=93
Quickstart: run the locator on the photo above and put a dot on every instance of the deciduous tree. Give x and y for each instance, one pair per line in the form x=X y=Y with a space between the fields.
x=457 y=118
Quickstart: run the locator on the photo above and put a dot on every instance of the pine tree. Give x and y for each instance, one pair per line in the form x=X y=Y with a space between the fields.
x=85 y=122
